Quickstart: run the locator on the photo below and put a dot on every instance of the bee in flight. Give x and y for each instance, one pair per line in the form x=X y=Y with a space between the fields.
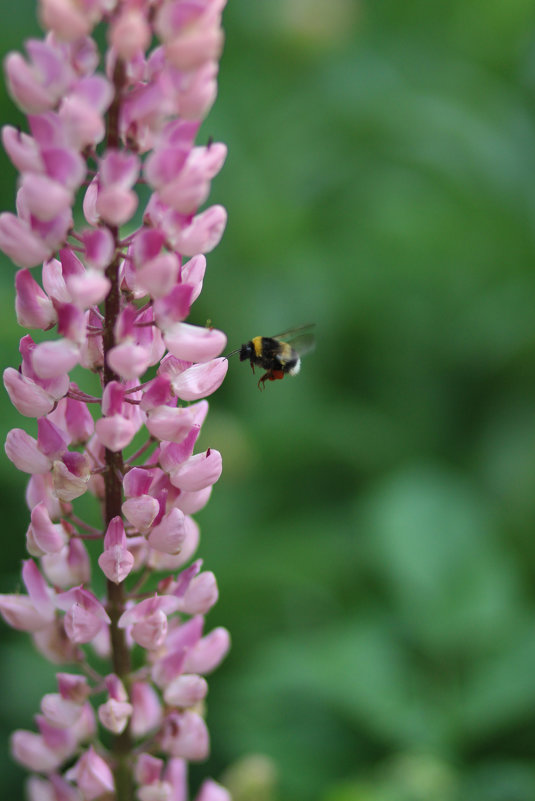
x=278 y=355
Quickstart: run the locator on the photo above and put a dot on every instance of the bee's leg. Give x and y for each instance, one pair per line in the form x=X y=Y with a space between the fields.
x=252 y=367
x=271 y=375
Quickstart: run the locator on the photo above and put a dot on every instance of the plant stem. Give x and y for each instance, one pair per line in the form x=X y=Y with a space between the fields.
x=122 y=744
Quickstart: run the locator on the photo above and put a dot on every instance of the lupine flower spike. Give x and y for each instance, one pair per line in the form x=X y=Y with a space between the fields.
x=114 y=289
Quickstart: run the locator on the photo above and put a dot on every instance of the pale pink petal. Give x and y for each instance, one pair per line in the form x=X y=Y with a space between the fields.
x=204 y=233
x=184 y=734
x=52 y=359
x=30 y=750
x=200 y=380
x=170 y=533
x=208 y=652
x=198 y=471
x=170 y=423
x=185 y=690
x=20 y=243
x=27 y=397
x=212 y=791
x=33 y=306
x=141 y=512
x=24 y=453
x=115 y=432
x=129 y=360
x=194 y=343
x=45 y=197
x=114 y=715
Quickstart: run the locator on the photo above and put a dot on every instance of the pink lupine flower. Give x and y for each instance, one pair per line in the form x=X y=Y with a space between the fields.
x=92 y=775
x=185 y=690
x=184 y=734
x=118 y=298
x=26 y=395
x=31 y=751
x=24 y=247
x=33 y=306
x=208 y=652
x=49 y=537
x=212 y=791
x=115 y=713
x=148 y=620
x=84 y=616
x=147 y=708
x=25 y=454
x=116 y=561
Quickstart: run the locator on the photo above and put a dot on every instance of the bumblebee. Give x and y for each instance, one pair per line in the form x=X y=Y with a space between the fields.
x=276 y=355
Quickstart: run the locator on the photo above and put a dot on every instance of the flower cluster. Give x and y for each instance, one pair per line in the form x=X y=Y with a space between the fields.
x=118 y=288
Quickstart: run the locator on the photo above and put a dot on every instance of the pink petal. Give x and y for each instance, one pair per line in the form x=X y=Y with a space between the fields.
x=208 y=652
x=27 y=397
x=194 y=343
x=129 y=360
x=159 y=275
x=204 y=233
x=24 y=453
x=116 y=205
x=20 y=243
x=130 y=33
x=200 y=380
x=33 y=307
x=114 y=715
x=170 y=423
x=212 y=791
x=170 y=533
x=186 y=690
x=45 y=197
x=115 y=432
x=50 y=537
x=21 y=149
x=141 y=512
x=184 y=734
x=52 y=359
x=30 y=750
x=147 y=712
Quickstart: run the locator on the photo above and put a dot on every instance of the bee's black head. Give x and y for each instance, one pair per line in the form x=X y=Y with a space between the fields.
x=246 y=351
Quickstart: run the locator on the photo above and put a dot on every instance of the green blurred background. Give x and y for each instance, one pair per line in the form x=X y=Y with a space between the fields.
x=372 y=532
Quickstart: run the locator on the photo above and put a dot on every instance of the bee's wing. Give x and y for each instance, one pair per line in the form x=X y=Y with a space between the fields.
x=301 y=339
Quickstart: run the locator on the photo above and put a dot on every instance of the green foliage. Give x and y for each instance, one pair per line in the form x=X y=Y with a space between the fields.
x=372 y=533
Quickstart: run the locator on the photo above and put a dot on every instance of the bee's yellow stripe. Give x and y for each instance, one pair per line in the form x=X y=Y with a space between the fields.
x=257 y=345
